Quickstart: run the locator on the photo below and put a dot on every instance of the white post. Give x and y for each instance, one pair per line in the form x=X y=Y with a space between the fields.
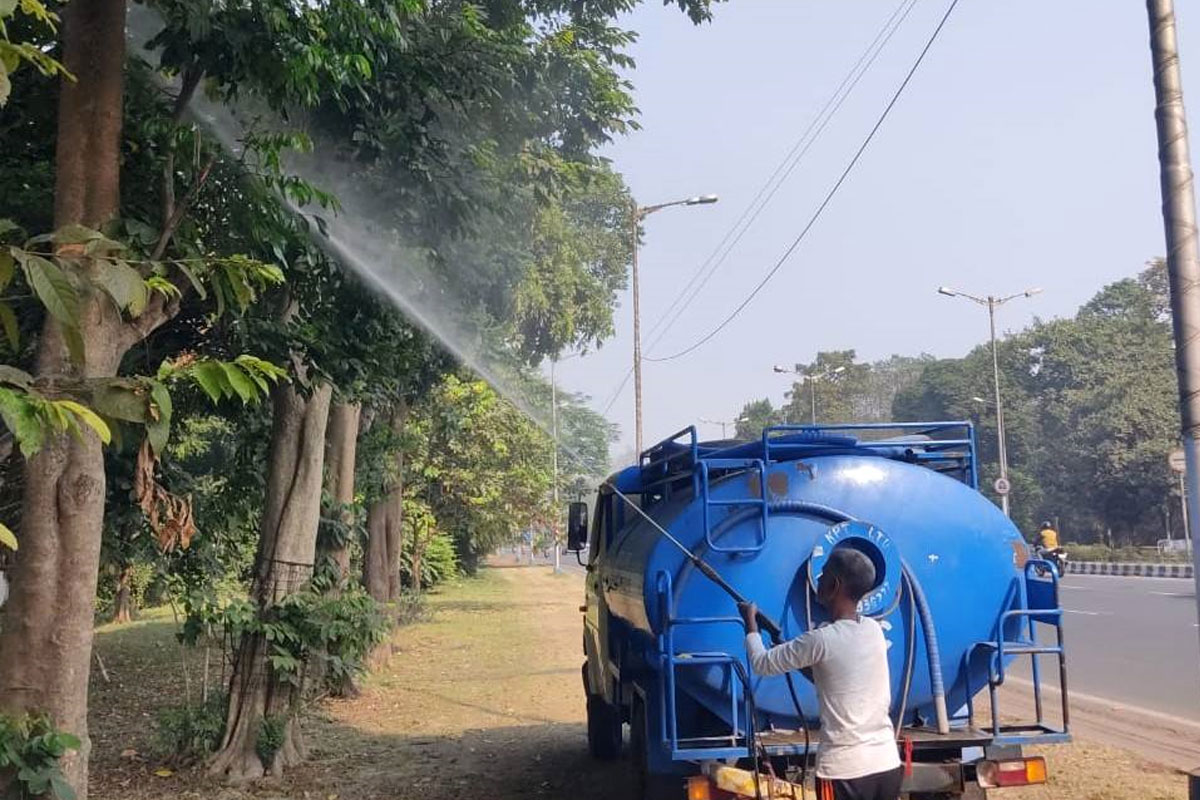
x=554 y=436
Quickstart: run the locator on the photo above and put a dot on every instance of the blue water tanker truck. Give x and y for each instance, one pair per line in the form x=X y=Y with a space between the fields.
x=670 y=542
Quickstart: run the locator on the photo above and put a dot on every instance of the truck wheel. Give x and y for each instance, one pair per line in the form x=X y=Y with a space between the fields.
x=649 y=786
x=603 y=725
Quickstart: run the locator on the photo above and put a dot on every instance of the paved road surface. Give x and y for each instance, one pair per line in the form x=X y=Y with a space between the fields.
x=1134 y=640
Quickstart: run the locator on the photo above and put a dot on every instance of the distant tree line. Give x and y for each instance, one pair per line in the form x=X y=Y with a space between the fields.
x=1090 y=411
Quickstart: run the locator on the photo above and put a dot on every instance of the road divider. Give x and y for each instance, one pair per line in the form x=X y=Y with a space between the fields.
x=1129 y=570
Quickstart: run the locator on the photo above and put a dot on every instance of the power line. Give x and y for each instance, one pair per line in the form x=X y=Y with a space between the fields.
x=769 y=188
x=787 y=166
x=828 y=197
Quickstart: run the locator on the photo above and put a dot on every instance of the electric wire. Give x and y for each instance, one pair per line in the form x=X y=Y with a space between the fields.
x=789 y=164
x=770 y=187
x=828 y=197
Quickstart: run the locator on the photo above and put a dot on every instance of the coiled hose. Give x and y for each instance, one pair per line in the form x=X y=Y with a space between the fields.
x=931 y=649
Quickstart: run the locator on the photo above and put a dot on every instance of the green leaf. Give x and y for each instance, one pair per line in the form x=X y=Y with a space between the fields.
x=79 y=234
x=21 y=418
x=59 y=786
x=11 y=330
x=15 y=377
x=158 y=428
x=53 y=288
x=241 y=384
x=7 y=7
x=121 y=401
x=88 y=417
x=124 y=285
x=211 y=378
x=7 y=269
x=74 y=341
x=196 y=284
x=7 y=537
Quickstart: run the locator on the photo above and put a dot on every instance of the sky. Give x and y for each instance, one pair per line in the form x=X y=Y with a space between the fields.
x=1021 y=155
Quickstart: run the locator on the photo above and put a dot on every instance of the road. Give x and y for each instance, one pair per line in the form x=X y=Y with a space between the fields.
x=1134 y=641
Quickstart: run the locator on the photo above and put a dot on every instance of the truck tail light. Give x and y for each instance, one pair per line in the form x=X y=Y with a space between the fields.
x=699 y=788
x=1011 y=772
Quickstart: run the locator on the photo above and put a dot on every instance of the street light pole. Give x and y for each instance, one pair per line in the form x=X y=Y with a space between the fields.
x=1183 y=250
x=1002 y=485
x=811 y=380
x=999 y=407
x=640 y=213
x=554 y=436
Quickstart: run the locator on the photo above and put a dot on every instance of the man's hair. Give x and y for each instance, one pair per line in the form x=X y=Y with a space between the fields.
x=853 y=569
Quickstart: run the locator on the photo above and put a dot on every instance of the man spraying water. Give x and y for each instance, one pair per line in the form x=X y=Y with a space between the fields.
x=858 y=758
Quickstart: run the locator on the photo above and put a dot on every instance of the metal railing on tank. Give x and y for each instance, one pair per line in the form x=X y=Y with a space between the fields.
x=668 y=464
x=1038 y=604
x=946 y=447
x=737 y=744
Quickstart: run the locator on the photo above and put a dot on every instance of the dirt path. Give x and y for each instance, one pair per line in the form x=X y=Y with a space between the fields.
x=483 y=699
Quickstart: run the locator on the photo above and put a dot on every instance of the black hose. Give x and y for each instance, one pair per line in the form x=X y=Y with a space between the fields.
x=911 y=658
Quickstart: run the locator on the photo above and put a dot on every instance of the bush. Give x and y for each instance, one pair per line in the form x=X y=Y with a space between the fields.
x=1100 y=552
x=191 y=733
x=30 y=749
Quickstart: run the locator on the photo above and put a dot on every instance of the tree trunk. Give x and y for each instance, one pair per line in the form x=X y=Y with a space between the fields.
x=341 y=446
x=287 y=546
x=124 y=602
x=381 y=566
x=46 y=628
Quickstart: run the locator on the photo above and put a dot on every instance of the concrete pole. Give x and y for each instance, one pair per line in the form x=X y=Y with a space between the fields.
x=637 y=335
x=991 y=304
x=1183 y=511
x=554 y=436
x=812 y=392
x=1183 y=252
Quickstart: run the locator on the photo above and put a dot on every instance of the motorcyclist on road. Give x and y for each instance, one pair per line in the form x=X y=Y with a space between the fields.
x=1048 y=546
x=1048 y=537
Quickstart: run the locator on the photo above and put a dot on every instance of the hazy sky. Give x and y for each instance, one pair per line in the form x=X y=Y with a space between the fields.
x=1023 y=154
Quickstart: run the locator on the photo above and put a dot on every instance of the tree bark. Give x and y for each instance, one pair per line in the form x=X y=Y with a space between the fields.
x=287 y=547
x=341 y=446
x=381 y=565
x=123 y=605
x=46 y=627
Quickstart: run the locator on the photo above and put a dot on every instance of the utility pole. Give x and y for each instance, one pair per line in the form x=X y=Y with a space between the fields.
x=1002 y=485
x=1003 y=448
x=637 y=335
x=1183 y=251
x=638 y=214
x=554 y=490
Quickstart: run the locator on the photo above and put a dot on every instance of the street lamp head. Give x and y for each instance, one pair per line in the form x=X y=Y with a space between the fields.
x=839 y=369
x=702 y=200
x=1032 y=292
x=780 y=369
x=980 y=400
x=946 y=290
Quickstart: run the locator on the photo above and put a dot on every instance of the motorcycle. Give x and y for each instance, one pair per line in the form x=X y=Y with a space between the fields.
x=1056 y=556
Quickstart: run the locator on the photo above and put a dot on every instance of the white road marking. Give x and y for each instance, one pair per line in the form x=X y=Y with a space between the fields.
x=1171 y=594
x=1089 y=613
x=1115 y=705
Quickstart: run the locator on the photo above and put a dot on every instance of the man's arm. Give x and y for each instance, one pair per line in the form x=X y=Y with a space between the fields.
x=797 y=654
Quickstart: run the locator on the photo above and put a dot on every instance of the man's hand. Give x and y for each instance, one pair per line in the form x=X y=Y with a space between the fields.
x=749 y=612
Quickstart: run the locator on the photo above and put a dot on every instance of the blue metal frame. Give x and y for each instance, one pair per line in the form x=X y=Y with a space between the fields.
x=669 y=660
x=762 y=501
x=1045 y=608
x=931 y=450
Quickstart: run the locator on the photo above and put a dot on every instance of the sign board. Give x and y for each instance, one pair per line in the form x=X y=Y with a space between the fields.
x=1002 y=486
x=1177 y=460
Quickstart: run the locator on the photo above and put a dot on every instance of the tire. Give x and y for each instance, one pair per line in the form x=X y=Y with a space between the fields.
x=648 y=786
x=603 y=726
